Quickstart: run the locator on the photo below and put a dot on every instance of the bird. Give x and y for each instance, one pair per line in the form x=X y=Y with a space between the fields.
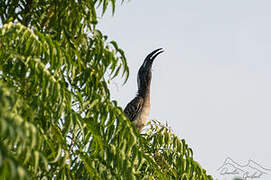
x=138 y=109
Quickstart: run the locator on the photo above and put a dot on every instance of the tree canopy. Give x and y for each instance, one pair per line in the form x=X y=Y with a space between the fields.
x=57 y=119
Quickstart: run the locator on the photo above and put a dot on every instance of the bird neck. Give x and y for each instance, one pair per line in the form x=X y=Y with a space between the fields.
x=144 y=91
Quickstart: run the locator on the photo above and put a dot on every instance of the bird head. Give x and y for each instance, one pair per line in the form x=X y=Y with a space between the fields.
x=144 y=73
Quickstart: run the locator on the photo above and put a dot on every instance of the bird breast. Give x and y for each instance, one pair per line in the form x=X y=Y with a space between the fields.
x=141 y=118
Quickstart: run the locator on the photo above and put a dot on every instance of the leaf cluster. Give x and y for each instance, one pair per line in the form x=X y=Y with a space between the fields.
x=57 y=119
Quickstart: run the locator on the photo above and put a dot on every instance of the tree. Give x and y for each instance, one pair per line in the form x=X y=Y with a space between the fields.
x=57 y=120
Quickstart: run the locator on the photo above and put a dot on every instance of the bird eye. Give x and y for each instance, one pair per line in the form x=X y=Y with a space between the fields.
x=144 y=64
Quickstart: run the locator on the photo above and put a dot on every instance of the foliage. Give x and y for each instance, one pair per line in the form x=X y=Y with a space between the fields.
x=57 y=120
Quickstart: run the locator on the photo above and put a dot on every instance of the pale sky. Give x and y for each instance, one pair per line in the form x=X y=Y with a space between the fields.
x=213 y=82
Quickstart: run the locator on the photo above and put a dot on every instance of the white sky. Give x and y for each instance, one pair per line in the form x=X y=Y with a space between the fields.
x=213 y=82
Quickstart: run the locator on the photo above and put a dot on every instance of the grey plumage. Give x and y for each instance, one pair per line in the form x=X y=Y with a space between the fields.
x=139 y=108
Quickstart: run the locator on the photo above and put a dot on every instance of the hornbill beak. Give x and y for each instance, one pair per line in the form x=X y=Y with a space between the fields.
x=149 y=59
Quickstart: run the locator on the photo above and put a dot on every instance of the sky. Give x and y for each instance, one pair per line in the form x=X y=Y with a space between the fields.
x=213 y=82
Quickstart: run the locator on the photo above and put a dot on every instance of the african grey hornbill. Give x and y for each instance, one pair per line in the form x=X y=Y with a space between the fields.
x=139 y=108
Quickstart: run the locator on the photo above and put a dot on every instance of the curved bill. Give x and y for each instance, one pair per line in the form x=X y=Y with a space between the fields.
x=149 y=59
x=153 y=54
